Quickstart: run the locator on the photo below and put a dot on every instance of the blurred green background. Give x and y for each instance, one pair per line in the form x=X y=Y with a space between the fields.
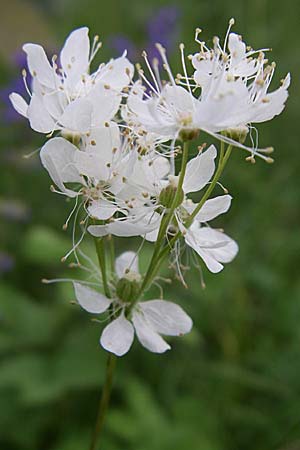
x=234 y=382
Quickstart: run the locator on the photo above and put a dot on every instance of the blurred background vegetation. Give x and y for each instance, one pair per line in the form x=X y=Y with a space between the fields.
x=234 y=382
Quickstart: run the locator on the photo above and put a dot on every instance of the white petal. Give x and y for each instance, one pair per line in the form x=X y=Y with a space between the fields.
x=57 y=156
x=117 y=337
x=152 y=235
x=91 y=300
x=39 y=118
x=149 y=338
x=178 y=97
x=77 y=116
x=211 y=263
x=117 y=73
x=19 y=103
x=126 y=261
x=105 y=103
x=104 y=140
x=39 y=65
x=91 y=165
x=236 y=47
x=98 y=230
x=214 y=207
x=213 y=246
x=199 y=170
x=102 y=209
x=55 y=103
x=225 y=249
x=166 y=317
x=272 y=104
x=127 y=227
x=74 y=56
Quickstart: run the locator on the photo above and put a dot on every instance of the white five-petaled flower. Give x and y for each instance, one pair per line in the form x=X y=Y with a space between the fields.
x=233 y=94
x=213 y=246
x=69 y=97
x=149 y=319
x=99 y=170
x=139 y=198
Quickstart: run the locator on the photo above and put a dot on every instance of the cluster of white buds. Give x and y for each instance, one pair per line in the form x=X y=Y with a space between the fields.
x=120 y=148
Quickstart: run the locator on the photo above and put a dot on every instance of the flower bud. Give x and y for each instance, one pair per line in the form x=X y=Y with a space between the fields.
x=74 y=138
x=168 y=194
x=128 y=287
x=188 y=134
x=238 y=134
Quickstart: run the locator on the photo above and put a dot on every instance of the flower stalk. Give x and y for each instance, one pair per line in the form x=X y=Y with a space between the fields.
x=104 y=400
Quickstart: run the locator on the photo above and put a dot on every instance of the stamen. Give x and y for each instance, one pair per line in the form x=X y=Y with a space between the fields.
x=24 y=76
x=65 y=226
x=231 y=23
x=181 y=46
x=145 y=56
x=162 y=52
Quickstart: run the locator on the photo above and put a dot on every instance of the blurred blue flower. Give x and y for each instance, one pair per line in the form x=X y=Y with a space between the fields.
x=8 y=113
x=163 y=27
x=6 y=262
x=14 y=210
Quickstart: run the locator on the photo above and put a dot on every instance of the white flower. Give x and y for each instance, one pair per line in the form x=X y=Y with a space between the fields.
x=147 y=319
x=234 y=86
x=213 y=246
x=166 y=113
x=99 y=170
x=69 y=98
x=139 y=198
x=233 y=94
x=111 y=177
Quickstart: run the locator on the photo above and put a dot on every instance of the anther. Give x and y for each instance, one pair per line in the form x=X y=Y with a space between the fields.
x=269 y=160
x=251 y=159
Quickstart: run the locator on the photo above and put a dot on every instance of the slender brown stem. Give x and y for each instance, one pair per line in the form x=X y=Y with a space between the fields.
x=104 y=400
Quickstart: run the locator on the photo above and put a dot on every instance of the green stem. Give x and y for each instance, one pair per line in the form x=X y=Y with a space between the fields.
x=111 y=243
x=222 y=163
x=104 y=400
x=100 y=249
x=166 y=220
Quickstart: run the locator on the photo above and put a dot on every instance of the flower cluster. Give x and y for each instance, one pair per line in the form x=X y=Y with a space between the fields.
x=122 y=149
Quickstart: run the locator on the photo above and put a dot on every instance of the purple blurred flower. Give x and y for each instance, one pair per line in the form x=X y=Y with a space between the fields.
x=6 y=262
x=120 y=43
x=14 y=210
x=8 y=113
x=161 y=27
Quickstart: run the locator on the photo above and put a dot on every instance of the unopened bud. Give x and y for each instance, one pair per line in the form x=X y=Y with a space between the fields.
x=238 y=134
x=188 y=134
x=169 y=193
x=128 y=287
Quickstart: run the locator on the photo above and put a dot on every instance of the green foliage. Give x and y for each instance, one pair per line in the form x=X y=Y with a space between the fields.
x=233 y=383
